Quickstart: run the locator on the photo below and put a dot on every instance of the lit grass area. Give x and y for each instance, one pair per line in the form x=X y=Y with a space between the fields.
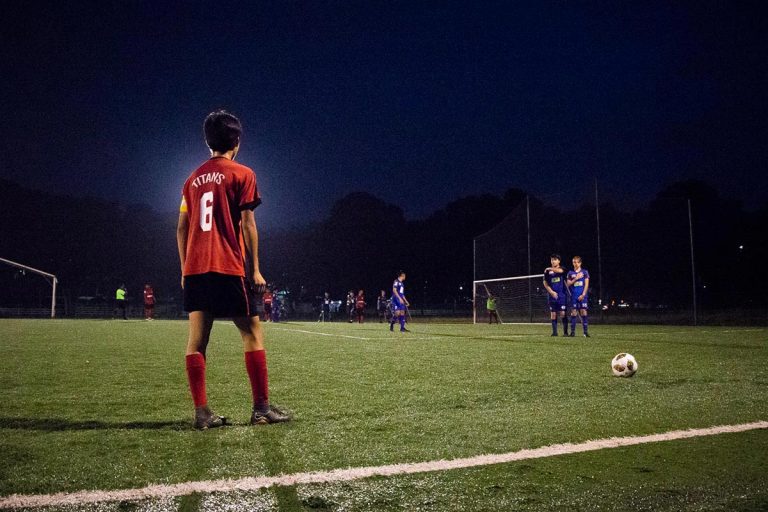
x=105 y=405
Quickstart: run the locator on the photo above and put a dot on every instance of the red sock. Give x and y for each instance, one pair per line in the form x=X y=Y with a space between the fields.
x=196 y=378
x=256 y=365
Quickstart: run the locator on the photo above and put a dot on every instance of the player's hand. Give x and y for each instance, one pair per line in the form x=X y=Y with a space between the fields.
x=581 y=298
x=407 y=303
x=182 y=282
x=553 y=294
x=259 y=282
x=579 y=275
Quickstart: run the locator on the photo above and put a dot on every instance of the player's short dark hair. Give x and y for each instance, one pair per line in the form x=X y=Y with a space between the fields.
x=400 y=273
x=222 y=131
x=556 y=256
x=577 y=258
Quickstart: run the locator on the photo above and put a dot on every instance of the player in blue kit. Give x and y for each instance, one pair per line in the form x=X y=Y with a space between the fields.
x=555 y=284
x=578 y=283
x=399 y=303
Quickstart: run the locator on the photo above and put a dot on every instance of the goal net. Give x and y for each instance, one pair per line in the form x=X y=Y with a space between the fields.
x=520 y=299
x=26 y=291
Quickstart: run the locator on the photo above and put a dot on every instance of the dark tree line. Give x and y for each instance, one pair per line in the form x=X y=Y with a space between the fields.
x=94 y=245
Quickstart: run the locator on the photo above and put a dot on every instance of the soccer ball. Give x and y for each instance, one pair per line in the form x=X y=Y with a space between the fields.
x=624 y=365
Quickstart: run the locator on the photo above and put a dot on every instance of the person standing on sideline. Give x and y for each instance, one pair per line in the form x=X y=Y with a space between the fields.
x=360 y=306
x=351 y=305
x=267 y=305
x=149 y=302
x=121 y=302
x=215 y=234
x=382 y=305
x=325 y=308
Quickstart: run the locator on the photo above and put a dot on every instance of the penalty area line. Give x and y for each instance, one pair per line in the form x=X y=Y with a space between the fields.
x=349 y=474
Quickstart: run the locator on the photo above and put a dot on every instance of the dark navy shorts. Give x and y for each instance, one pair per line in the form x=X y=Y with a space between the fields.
x=221 y=295
x=557 y=304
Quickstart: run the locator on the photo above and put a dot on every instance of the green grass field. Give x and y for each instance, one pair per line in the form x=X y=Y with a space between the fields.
x=104 y=405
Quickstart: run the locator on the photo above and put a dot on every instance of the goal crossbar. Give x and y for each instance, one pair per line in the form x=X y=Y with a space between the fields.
x=481 y=281
x=54 y=280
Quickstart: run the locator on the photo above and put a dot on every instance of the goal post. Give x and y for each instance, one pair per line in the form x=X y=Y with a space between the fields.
x=519 y=299
x=51 y=278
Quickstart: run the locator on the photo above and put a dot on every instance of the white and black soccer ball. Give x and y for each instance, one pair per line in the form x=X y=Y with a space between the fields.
x=624 y=365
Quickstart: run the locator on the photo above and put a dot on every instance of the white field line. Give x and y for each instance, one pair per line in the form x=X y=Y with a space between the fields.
x=320 y=333
x=342 y=475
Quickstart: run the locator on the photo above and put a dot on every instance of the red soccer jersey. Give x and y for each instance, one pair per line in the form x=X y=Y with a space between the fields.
x=214 y=195
x=149 y=296
x=267 y=298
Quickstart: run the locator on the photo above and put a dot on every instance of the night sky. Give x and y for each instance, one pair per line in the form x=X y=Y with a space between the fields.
x=416 y=102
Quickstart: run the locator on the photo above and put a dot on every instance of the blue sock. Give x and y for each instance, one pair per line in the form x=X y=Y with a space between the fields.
x=402 y=323
x=573 y=324
x=565 y=325
x=554 y=326
x=585 y=323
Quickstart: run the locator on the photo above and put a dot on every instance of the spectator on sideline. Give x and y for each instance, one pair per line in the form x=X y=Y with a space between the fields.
x=268 y=305
x=121 y=302
x=382 y=305
x=325 y=308
x=277 y=304
x=351 y=305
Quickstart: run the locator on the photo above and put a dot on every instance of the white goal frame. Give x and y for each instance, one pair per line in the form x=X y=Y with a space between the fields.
x=480 y=283
x=53 y=280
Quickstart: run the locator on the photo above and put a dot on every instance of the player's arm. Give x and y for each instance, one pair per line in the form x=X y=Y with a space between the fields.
x=251 y=240
x=550 y=291
x=182 y=232
x=586 y=289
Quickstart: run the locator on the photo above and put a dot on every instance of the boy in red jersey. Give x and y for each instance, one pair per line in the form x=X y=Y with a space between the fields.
x=267 y=305
x=360 y=306
x=149 y=302
x=216 y=232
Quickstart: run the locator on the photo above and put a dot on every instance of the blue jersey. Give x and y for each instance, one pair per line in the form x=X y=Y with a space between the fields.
x=556 y=281
x=398 y=287
x=577 y=288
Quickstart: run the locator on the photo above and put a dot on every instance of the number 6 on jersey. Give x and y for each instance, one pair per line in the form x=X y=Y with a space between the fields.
x=206 y=211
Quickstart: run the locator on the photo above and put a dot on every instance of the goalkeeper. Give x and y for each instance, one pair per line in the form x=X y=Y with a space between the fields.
x=490 y=305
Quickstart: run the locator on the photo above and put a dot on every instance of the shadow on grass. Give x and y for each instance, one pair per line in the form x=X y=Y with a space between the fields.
x=57 y=424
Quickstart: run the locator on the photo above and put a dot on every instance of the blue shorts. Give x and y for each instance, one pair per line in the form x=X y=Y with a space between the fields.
x=576 y=304
x=397 y=305
x=557 y=304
